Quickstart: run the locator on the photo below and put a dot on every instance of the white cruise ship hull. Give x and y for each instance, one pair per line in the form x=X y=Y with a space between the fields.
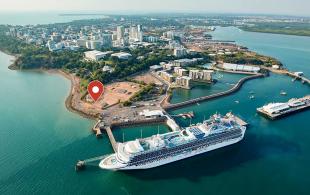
x=175 y=158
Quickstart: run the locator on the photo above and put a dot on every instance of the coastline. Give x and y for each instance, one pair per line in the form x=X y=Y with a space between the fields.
x=275 y=32
x=73 y=99
x=12 y=66
x=69 y=102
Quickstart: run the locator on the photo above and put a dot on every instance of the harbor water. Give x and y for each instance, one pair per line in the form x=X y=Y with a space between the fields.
x=40 y=141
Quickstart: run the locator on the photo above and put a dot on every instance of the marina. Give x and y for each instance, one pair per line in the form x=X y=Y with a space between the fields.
x=278 y=110
x=214 y=96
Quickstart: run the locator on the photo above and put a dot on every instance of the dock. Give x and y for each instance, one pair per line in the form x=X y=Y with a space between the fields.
x=295 y=76
x=97 y=130
x=303 y=79
x=160 y=120
x=285 y=109
x=111 y=138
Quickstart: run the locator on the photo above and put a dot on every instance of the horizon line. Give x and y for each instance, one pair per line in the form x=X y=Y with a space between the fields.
x=150 y=12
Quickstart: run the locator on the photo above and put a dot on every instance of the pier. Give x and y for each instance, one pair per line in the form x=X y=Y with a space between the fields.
x=111 y=138
x=297 y=77
x=284 y=109
x=159 y=120
x=303 y=79
x=210 y=97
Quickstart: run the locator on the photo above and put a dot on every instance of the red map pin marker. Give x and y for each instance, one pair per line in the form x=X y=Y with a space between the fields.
x=95 y=89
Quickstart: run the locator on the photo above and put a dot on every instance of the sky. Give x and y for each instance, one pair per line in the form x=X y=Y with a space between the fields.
x=277 y=7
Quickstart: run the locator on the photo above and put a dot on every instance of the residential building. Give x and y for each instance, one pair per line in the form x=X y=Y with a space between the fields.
x=184 y=81
x=167 y=76
x=182 y=72
x=179 y=52
x=201 y=75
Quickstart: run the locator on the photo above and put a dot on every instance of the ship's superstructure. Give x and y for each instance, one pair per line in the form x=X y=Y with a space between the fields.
x=217 y=132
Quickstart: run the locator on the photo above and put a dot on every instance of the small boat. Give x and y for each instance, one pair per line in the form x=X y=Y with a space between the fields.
x=237 y=102
x=252 y=97
x=283 y=93
x=251 y=92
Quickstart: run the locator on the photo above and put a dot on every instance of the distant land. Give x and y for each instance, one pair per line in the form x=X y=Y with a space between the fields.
x=299 y=29
x=85 y=14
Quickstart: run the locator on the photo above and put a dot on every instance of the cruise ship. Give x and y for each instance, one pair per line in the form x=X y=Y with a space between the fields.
x=217 y=132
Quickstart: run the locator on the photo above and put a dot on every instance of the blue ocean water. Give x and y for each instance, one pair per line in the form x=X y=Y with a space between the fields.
x=40 y=141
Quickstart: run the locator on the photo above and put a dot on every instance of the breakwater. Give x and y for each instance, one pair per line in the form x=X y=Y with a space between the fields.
x=210 y=97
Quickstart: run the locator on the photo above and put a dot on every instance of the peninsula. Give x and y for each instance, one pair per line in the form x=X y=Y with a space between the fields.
x=140 y=61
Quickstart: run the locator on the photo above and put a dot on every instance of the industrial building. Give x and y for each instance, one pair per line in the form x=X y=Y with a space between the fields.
x=95 y=55
x=238 y=67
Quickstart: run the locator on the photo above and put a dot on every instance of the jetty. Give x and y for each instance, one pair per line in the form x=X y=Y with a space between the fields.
x=210 y=97
x=294 y=75
x=111 y=138
x=97 y=128
x=278 y=110
x=303 y=79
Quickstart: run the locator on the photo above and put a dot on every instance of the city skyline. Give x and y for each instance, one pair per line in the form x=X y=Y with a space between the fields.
x=277 y=7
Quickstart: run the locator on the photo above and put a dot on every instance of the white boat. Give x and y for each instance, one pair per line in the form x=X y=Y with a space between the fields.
x=283 y=93
x=217 y=132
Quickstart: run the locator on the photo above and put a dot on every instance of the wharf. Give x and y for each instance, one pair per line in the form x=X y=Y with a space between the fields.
x=165 y=119
x=302 y=78
x=289 y=73
x=111 y=138
x=291 y=110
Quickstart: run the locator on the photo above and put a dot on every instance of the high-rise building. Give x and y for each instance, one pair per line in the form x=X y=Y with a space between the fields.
x=169 y=35
x=179 y=52
x=136 y=33
x=93 y=44
x=120 y=32
x=107 y=40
